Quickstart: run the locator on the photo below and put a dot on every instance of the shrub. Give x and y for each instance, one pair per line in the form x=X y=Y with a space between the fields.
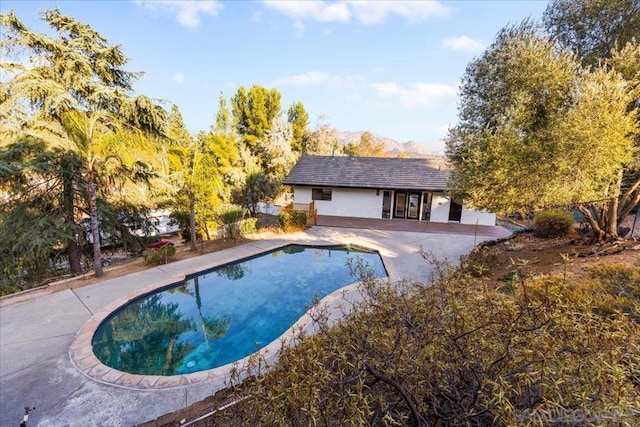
x=552 y=223
x=454 y=353
x=160 y=255
x=292 y=221
x=230 y=216
x=249 y=225
x=619 y=286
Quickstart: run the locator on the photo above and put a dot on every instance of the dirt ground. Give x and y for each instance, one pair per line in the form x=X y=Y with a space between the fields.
x=571 y=255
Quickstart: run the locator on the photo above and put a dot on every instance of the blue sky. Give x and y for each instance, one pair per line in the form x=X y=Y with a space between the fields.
x=392 y=68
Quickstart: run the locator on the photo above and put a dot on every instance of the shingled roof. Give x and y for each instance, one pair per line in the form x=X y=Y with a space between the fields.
x=367 y=172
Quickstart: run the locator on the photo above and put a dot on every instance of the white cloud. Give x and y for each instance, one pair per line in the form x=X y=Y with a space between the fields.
x=178 y=77
x=317 y=78
x=365 y=12
x=353 y=97
x=315 y=10
x=463 y=43
x=377 y=12
x=187 y=12
x=418 y=95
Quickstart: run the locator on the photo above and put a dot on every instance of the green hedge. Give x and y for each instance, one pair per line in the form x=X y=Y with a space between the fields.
x=249 y=225
x=160 y=255
x=552 y=223
x=292 y=221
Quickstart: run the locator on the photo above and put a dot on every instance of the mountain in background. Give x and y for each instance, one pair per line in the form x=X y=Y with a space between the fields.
x=410 y=149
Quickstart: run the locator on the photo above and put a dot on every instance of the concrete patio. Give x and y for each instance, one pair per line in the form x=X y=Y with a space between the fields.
x=36 y=334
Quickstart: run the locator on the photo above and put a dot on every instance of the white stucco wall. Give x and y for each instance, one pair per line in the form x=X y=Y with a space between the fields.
x=470 y=216
x=345 y=202
x=440 y=208
x=363 y=203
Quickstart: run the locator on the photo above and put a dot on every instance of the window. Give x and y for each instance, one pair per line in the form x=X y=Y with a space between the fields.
x=321 y=193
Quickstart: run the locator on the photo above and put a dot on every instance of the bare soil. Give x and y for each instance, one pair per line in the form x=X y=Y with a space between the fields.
x=570 y=256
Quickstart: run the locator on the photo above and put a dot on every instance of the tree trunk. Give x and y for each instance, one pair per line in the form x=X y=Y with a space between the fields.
x=95 y=228
x=612 y=206
x=73 y=249
x=598 y=233
x=629 y=200
x=192 y=220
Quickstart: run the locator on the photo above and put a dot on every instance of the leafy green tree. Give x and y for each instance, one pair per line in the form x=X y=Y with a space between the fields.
x=593 y=29
x=368 y=146
x=224 y=121
x=299 y=119
x=258 y=186
x=72 y=91
x=35 y=216
x=605 y=33
x=197 y=171
x=322 y=140
x=536 y=130
x=275 y=149
x=253 y=113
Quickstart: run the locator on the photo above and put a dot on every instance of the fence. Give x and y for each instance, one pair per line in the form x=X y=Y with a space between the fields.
x=308 y=209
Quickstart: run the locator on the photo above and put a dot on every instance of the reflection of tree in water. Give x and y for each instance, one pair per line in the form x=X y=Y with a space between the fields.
x=232 y=272
x=293 y=249
x=143 y=338
x=212 y=327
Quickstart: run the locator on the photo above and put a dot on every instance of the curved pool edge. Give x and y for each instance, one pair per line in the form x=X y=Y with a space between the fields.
x=83 y=358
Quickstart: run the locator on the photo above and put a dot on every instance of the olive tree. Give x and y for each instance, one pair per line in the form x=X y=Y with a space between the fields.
x=536 y=129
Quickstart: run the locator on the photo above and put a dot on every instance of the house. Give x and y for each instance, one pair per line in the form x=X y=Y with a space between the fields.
x=374 y=187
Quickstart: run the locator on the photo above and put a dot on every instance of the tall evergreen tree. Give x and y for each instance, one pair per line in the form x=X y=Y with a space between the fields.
x=253 y=113
x=299 y=119
x=75 y=83
x=224 y=121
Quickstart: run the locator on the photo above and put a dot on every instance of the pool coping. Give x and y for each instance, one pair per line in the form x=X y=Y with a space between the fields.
x=83 y=358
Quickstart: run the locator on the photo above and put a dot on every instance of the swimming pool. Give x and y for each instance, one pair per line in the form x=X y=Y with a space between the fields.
x=222 y=315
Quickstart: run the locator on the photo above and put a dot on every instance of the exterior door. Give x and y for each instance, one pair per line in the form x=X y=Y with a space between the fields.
x=455 y=211
x=413 y=206
x=386 y=204
x=401 y=203
x=426 y=207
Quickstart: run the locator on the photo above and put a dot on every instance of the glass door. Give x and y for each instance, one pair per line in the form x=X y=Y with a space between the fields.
x=426 y=206
x=413 y=206
x=401 y=200
x=386 y=204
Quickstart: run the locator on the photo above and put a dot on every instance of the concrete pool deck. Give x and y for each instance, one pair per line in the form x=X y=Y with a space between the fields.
x=37 y=335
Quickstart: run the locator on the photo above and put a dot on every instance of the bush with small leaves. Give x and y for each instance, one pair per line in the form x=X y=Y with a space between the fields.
x=292 y=221
x=552 y=223
x=249 y=225
x=231 y=216
x=452 y=353
x=159 y=255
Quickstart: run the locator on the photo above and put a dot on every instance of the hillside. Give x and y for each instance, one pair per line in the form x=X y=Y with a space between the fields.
x=393 y=147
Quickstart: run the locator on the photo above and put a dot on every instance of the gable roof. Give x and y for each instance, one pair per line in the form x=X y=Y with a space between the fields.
x=368 y=172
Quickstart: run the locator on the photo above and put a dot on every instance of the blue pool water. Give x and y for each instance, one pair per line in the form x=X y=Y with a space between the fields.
x=222 y=315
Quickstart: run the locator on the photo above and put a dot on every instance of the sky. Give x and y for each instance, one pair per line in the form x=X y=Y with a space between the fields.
x=388 y=67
